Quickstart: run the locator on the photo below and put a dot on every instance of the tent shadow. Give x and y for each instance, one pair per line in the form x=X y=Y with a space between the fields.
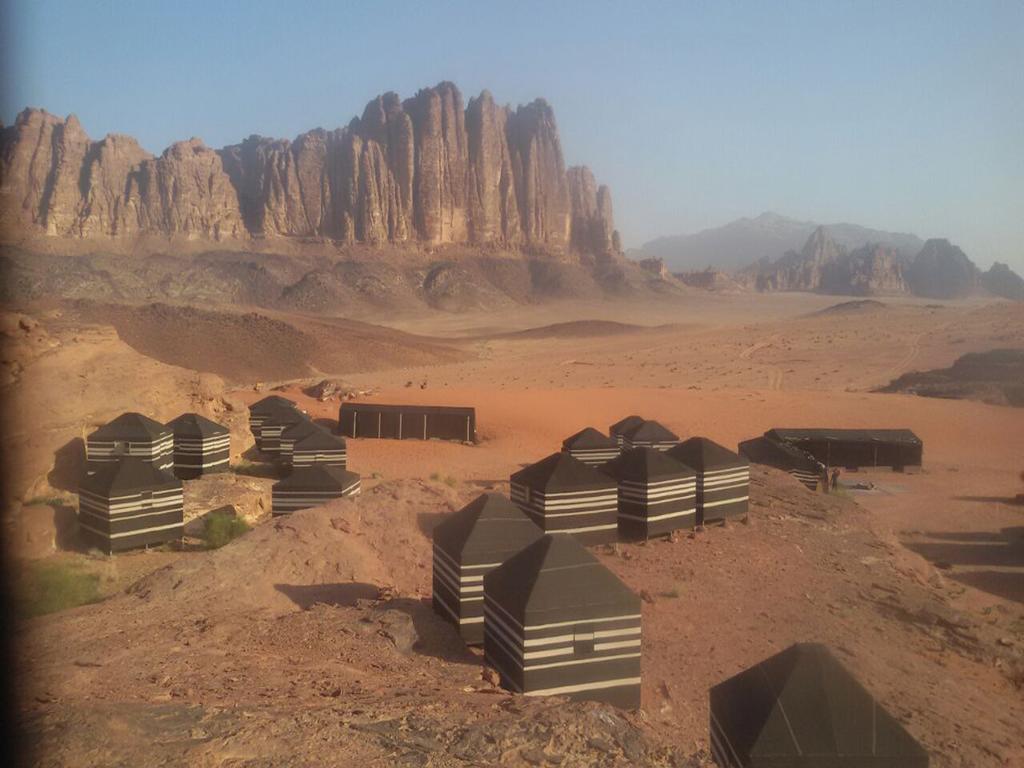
x=68 y=466
x=991 y=561
x=65 y=524
x=331 y=425
x=1015 y=500
x=428 y=521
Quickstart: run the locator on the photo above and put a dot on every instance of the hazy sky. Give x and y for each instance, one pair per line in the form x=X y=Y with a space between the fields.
x=905 y=116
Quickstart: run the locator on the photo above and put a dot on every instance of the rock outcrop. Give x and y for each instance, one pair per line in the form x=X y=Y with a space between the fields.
x=942 y=271
x=426 y=169
x=1002 y=281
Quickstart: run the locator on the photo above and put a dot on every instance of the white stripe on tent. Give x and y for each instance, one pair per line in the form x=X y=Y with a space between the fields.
x=577 y=662
x=584 y=687
x=724 y=501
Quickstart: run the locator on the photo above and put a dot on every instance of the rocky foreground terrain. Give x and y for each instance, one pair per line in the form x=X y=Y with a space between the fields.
x=996 y=377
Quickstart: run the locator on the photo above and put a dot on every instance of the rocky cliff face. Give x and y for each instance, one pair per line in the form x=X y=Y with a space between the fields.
x=942 y=271
x=1002 y=281
x=427 y=169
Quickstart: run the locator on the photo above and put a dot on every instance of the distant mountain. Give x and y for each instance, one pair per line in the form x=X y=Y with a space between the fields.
x=942 y=271
x=1000 y=280
x=768 y=236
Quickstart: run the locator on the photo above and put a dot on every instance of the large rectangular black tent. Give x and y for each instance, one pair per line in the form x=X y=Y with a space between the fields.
x=558 y=623
x=562 y=494
x=201 y=446
x=468 y=545
x=130 y=503
x=788 y=458
x=131 y=434
x=723 y=478
x=657 y=494
x=855 y=448
x=407 y=422
x=802 y=708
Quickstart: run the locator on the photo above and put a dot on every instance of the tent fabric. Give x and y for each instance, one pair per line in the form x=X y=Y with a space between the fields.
x=407 y=422
x=261 y=410
x=723 y=478
x=131 y=434
x=130 y=503
x=201 y=446
x=562 y=494
x=557 y=622
x=656 y=493
x=802 y=708
x=468 y=544
x=305 y=443
x=649 y=434
x=311 y=487
x=622 y=426
x=804 y=467
x=855 y=448
x=591 y=447
x=274 y=425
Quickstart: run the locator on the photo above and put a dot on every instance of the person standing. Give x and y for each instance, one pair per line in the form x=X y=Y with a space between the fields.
x=835 y=479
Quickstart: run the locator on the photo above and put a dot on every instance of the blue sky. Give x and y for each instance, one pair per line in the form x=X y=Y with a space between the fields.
x=905 y=116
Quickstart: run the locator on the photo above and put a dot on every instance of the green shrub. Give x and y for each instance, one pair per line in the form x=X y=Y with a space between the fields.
x=46 y=501
x=450 y=481
x=221 y=527
x=435 y=476
x=55 y=586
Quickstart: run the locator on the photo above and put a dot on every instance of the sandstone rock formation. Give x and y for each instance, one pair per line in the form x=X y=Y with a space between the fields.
x=942 y=271
x=426 y=169
x=1002 y=281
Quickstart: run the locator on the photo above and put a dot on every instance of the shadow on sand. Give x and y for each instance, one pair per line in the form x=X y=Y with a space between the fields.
x=990 y=561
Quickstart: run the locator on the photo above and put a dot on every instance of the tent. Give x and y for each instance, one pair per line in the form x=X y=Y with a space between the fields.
x=591 y=447
x=132 y=434
x=274 y=425
x=620 y=427
x=407 y=422
x=201 y=446
x=800 y=465
x=130 y=503
x=657 y=494
x=311 y=487
x=557 y=622
x=320 y=447
x=802 y=709
x=649 y=434
x=723 y=478
x=467 y=545
x=562 y=494
x=855 y=448
x=268 y=406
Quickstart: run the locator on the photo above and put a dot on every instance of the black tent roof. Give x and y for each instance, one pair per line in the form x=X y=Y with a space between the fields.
x=776 y=454
x=194 y=425
x=319 y=438
x=131 y=426
x=903 y=436
x=803 y=703
x=650 y=431
x=490 y=528
x=645 y=465
x=704 y=454
x=285 y=417
x=623 y=425
x=271 y=403
x=589 y=438
x=128 y=475
x=300 y=429
x=556 y=579
x=561 y=472
x=317 y=477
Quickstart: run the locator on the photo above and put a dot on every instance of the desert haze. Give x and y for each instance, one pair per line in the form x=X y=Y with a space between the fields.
x=440 y=253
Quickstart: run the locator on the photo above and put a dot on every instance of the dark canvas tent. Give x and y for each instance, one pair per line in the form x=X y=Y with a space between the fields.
x=557 y=622
x=311 y=487
x=467 y=545
x=723 y=478
x=622 y=426
x=591 y=447
x=657 y=494
x=293 y=432
x=801 y=709
x=855 y=448
x=562 y=494
x=132 y=434
x=201 y=446
x=407 y=422
x=261 y=409
x=306 y=443
x=802 y=466
x=649 y=434
x=130 y=503
x=273 y=427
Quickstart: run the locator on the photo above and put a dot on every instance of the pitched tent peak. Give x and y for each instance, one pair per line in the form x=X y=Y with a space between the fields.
x=645 y=463
x=702 y=453
x=318 y=476
x=130 y=474
x=131 y=426
x=650 y=430
x=194 y=423
x=589 y=438
x=319 y=438
x=302 y=428
x=622 y=425
x=562 y=471
x=490 y=522
x=271 y=402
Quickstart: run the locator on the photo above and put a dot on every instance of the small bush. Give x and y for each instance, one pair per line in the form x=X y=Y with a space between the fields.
x=56 y=586
x=249 y=468
x=435 y=476
x=220 y=527
x=450 y=481
x=46 y=501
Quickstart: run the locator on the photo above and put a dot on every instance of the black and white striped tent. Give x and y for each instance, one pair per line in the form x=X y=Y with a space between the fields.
x=562 y=494
x=201 y=446
x=657 y=494
x=262 y=409
x=649 y=434
x=467 y=545
x=622 y=426
x=311 y=487
x=723 y=478
x=130 y=503
x=319 y=447
x=801 y=708
x=804 y=467
x=132 y=434
x=557 y=622
x=591 y=447
x=274 y=425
